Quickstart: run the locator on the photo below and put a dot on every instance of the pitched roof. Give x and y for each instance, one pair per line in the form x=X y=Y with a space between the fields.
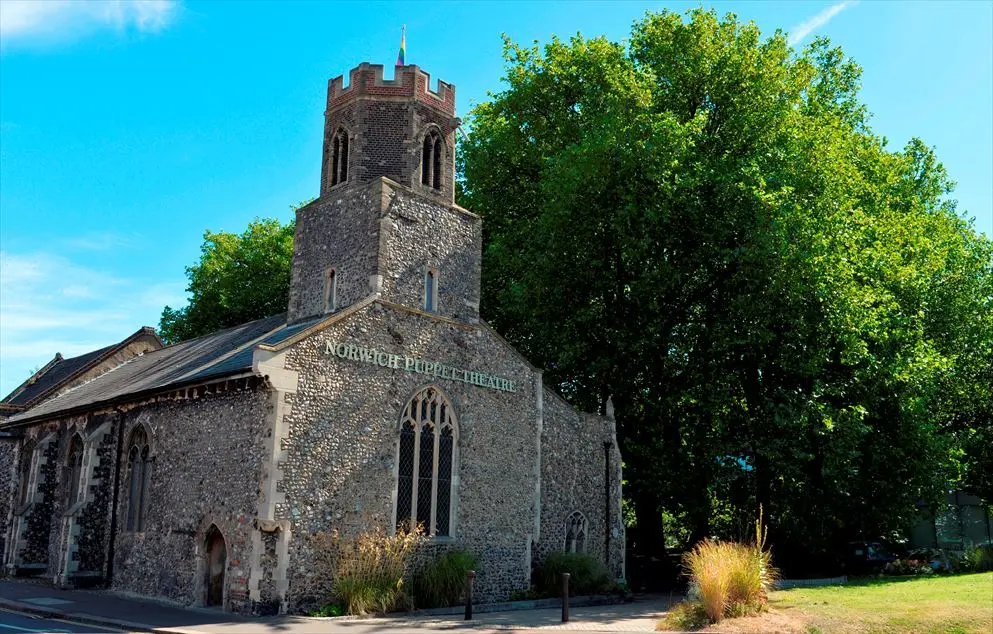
x=60 y=371
x=222 y=353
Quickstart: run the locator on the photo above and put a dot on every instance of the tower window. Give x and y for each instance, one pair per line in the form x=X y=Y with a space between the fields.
x=339 y=157
x=431 y=155
x=436 y=172
x=431 y=290
x=330 y=291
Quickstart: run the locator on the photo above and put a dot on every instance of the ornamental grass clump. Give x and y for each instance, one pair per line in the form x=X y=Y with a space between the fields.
x=731 y=579
x=442 y=582
x=368 y=572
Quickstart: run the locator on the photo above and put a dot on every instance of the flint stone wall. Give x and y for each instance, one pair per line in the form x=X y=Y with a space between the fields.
x=423 y=235
x=381 y=237
x=574 y=478
x=8 y=490
x=340 y=471
x=207 y=469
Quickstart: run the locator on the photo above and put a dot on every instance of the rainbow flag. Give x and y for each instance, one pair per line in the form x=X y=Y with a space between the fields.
x=402 y=55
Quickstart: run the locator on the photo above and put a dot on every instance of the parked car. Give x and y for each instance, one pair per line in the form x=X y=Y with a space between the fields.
x=867 y=557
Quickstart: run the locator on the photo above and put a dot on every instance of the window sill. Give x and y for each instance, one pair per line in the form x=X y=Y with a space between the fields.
x=448 y=539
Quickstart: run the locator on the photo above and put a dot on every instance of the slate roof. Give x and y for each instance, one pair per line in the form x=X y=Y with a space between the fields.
x=225 y=352
x=59 y=372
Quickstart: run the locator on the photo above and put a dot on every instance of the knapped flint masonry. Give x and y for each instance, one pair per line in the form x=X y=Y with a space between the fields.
x=197 y=471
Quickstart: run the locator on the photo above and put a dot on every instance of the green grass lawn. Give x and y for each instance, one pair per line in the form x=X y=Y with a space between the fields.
x=893 y=605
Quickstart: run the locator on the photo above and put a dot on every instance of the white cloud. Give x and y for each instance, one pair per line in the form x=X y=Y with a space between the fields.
x=805 y=28
x=50 y=303
x=61 y=20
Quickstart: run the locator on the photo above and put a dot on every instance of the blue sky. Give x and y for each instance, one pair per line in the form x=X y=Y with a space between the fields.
x=128 y=128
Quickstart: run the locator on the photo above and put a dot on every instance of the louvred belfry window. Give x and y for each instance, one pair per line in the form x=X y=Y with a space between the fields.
x=426 y=462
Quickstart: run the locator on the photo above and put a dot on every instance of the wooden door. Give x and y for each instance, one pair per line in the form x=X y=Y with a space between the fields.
x=217 y=561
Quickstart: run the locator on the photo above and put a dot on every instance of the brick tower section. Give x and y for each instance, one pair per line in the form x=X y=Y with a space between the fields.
x=386 y=122
x=386 y=224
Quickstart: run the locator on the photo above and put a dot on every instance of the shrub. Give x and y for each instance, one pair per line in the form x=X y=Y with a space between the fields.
x=979 y=558
x=688 y=615
x=442 y=581
x=903 y=567
x=331 y=609
x=586 y=575
x=731 y=579
x=365 y=573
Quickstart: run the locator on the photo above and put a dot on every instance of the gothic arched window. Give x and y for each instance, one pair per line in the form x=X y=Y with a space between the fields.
x=431 y=156
x=24 y=472
x=426 y=462
x=339 y=157
x=575 y=533
x=139 y=464
x=74 y=470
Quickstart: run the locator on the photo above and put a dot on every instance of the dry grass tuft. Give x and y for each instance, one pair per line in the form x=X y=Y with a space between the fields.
x=368 y=572
x=732 y=579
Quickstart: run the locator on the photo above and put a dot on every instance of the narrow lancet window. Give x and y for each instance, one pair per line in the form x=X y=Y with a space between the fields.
x=24 y=473
x=330 y=291
x=431 y=291
x=339 y=157
x=436 y=170
x=426 y=162
x=73 y=470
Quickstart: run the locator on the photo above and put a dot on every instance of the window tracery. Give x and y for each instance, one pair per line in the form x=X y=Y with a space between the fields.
x=432 y=153
x=426 y=462
x=139 y=464
x=575 y=533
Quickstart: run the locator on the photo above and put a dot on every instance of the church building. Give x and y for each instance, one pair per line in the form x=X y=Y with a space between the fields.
x=198 y=471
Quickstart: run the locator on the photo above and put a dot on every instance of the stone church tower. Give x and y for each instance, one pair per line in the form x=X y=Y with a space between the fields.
x=386 y=221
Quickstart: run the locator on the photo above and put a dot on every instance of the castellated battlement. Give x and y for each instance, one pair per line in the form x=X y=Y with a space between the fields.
x=409 y=81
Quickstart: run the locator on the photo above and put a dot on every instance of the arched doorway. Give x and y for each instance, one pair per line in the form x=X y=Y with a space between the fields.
x=217 y=562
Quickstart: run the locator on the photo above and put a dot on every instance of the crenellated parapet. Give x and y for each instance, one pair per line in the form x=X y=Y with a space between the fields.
x=366 y=80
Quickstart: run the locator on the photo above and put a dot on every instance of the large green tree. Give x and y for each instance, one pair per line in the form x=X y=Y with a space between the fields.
x=237 y=279
x=700 y=223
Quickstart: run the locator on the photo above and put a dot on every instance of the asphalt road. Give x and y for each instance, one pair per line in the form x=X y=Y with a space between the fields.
x=20 y=623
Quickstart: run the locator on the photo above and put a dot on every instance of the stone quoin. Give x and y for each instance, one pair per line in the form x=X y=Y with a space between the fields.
x=198 y=471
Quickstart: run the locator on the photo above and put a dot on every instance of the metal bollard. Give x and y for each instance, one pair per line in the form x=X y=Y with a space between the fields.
x=565 y=597
x=468 y=595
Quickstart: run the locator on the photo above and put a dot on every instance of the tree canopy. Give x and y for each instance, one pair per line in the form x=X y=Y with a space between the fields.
x=239 y=278
x=701 y=223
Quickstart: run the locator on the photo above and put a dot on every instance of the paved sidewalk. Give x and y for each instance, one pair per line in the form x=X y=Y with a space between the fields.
x=142 y=614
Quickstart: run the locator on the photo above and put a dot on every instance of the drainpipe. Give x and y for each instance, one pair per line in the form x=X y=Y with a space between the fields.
x=606 y=503
x=116 y=497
